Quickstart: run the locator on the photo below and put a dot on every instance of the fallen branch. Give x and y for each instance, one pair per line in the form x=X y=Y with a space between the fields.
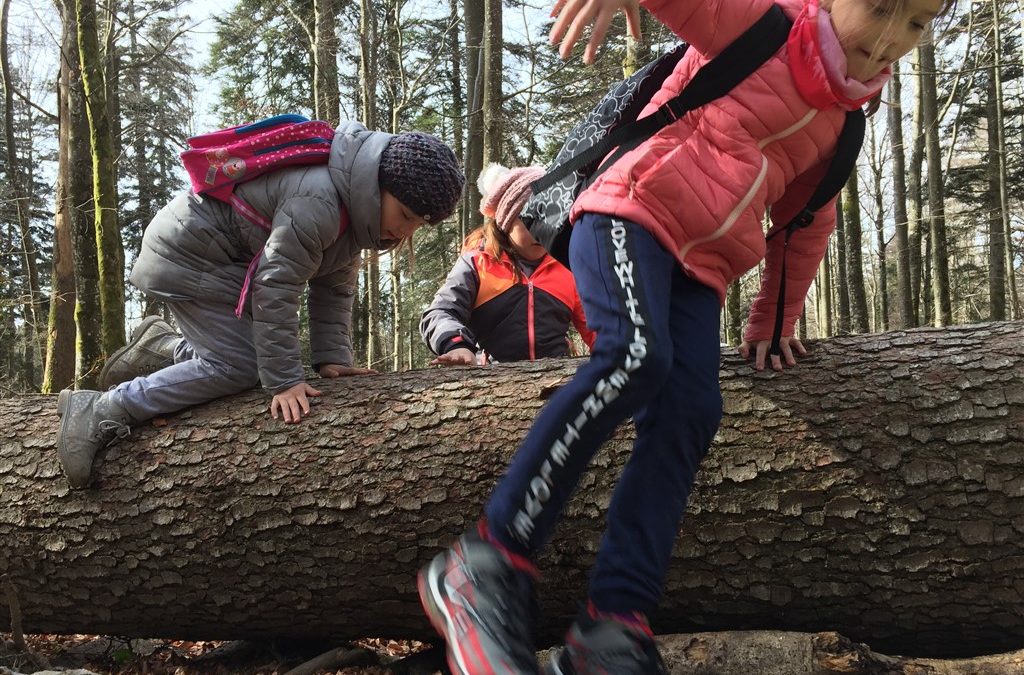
x=340 y=657
x=782 y=653
x=17 y=633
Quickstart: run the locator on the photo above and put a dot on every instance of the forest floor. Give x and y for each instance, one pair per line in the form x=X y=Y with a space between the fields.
x=121 y=656
x=723 y=653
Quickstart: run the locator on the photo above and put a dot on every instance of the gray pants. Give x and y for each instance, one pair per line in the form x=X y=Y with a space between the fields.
x=215 y=357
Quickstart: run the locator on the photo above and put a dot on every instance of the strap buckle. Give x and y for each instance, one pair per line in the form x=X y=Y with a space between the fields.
x=666 y=114
x=802 y=220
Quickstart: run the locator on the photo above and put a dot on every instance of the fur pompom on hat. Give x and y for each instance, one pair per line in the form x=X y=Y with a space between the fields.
x=422 y=173
x=504 y=192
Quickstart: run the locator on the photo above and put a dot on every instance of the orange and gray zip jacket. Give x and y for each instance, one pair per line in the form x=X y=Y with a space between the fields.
x=482 y=306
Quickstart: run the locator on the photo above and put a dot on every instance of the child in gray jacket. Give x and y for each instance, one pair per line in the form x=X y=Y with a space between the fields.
x=232 y=277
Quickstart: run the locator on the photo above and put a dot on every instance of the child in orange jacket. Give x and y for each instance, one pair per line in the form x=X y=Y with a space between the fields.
x=505 y=297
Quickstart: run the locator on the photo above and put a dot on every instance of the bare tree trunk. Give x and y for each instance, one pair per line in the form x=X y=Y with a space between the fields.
x=60 y=343
x=936 y=192
x=870 y=490
x=16 y=178
x=825 y=296
x=926 y=277
x=854 y=261
x=994 y=200
x=492 y=79
x=905 y=299
x=326 y=96
x=473 y=10
x=882 y=322
x=458 y=112
x=398 y=338
x=733 y=306
x=918 y=265
x=630 y=63
x=368 y=89
x=110 y=252
x=88 y=316
x=1004 y=202
x=842 y=278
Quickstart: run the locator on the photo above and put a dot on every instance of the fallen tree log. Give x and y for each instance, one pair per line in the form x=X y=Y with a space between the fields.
x=876 y=490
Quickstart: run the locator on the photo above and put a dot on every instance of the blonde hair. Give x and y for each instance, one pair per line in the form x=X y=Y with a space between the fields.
x=948 y=7
x=490 y=239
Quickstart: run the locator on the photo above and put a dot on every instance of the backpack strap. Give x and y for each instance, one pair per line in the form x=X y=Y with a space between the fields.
x=843 y=163
x=715 y=79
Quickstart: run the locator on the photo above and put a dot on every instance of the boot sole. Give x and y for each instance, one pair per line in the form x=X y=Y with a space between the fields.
x=439 y=618
x=63 y=401
x=551 y=667
x=137 y=334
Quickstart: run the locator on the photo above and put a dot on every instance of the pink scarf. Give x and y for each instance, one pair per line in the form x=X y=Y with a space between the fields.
x=819 y=65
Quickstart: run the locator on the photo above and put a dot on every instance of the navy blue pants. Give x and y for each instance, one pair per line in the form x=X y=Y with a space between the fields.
x=656 y=359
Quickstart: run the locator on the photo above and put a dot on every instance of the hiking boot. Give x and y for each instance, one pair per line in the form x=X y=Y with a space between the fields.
x=150 y=349
x=481 y=600
x=607 y=646
x=89 y=420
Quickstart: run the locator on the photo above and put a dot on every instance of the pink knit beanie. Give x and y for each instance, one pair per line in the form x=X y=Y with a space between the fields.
x=504 y=192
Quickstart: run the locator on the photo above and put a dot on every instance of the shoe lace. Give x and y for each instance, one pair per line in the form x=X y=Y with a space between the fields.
x=120 y=429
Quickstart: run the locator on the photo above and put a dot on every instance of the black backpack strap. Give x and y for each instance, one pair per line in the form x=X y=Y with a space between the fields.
x=715 y=79
x=843 y=163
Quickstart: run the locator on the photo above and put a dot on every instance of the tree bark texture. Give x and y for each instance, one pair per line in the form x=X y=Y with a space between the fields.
x=874 y=490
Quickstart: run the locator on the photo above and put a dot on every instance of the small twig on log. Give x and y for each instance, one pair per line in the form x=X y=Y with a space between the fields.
x=332 y=660
x=17 y=633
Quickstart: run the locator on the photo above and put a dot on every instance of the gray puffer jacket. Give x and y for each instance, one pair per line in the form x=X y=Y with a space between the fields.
x=199 y=247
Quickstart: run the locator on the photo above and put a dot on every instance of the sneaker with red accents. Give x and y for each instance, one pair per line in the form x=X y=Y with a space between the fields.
x=480 y=598
x=607 y=646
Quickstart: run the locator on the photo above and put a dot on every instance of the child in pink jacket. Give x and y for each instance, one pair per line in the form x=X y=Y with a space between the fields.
x=656 y=241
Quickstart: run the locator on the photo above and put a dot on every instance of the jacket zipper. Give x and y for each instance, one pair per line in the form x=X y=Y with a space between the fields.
x=529 y=322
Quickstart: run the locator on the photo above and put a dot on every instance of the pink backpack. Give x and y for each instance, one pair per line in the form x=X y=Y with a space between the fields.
x=218 y=161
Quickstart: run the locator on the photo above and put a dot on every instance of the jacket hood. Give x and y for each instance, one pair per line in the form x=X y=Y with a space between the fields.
x=354 y=165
